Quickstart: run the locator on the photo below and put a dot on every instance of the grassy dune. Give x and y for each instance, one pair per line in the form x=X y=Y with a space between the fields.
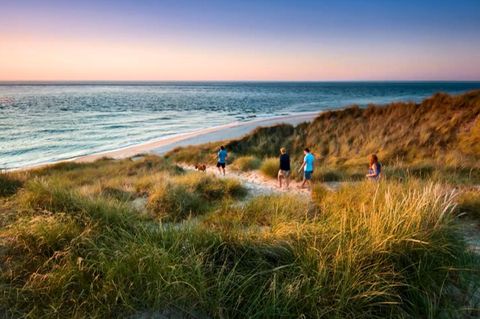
x=436 y=138
x=140 y=238
x=74 y=242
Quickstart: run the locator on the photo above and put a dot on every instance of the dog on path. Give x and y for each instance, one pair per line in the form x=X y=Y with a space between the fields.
x=201 y=167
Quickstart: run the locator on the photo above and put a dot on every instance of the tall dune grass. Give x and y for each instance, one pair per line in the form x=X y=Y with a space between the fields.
x=369 y=250
x=8 y=184
x=270 y=167
x=247 y=163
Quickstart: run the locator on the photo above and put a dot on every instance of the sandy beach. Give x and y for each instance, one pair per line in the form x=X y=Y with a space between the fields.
x=213 y=134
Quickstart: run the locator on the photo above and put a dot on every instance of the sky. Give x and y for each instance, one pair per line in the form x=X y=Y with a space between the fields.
x=277 y=40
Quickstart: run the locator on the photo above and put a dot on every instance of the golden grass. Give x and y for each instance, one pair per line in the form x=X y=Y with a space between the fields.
x=246 y=163
x=77 y=248
x=270 y=167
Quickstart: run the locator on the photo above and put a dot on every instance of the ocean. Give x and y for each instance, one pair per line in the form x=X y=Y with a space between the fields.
x=47 y=122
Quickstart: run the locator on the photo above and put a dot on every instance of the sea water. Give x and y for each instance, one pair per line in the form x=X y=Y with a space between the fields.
x=47 y=122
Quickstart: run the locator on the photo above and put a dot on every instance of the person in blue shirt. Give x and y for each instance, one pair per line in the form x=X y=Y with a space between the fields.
x=307 y=167
x=222 y=159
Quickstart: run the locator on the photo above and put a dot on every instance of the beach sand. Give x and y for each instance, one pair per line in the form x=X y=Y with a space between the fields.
x=214 y=134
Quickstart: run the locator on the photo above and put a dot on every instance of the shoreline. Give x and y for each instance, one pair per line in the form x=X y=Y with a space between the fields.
x=161 y=146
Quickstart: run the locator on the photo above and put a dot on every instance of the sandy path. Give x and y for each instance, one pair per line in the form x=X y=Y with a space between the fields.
x=258 y=184
x=255 y=182
x=470 y=229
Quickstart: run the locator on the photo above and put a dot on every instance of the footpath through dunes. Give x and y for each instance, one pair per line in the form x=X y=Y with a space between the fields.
x=259 y=184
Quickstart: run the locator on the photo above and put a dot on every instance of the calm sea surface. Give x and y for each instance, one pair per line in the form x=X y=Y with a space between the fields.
x=41 y=123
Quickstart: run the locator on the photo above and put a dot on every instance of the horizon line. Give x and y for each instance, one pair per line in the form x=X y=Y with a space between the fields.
x=231 y=81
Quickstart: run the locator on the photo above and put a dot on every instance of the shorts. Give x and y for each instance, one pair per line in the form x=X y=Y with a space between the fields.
x=307 y=175
x=220 y=164
x=283 y=173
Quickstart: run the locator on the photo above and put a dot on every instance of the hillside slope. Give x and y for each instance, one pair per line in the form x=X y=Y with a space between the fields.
x=442 y=129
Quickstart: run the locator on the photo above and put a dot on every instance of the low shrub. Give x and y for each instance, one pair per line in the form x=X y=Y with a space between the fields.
x=191 y=194
x=210 y=187
x=247 y=163
x=171 y=202
x=116 y=193
x=43 y=234
x=8 y=184
x=265 y=210
x=270 y=167
x=52 y=196
x=274 y=209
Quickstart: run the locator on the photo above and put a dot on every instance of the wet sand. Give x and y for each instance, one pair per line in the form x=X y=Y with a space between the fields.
x=214 y=134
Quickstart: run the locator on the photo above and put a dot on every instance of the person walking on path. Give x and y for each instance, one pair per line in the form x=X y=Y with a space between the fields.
x=222 y=159
x=307 y=166
x=284 y=168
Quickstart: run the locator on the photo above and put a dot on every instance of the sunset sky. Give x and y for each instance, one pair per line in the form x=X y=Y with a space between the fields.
x=240 y=40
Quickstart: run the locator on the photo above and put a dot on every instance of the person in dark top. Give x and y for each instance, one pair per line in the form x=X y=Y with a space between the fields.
x=284 y=169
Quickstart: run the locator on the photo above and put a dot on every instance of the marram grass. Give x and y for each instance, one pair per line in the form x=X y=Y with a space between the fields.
x=77 y=248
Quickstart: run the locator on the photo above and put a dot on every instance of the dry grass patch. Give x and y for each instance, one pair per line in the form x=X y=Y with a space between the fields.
x=246 y=163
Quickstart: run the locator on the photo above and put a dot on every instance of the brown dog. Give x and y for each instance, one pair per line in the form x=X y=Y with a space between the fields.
x=201 y=167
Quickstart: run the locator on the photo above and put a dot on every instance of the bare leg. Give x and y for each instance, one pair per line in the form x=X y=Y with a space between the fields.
x=223 y=168
x=287 y=180
x=280 y=181
x=303 y=183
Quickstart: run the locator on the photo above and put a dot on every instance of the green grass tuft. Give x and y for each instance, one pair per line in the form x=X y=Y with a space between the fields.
x=270 y=167
x=8 y=184
x=246 y=163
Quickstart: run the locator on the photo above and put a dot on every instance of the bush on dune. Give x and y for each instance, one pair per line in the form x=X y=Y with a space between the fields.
x=172 y=202
x=201 y=154
x=191 y=194
x=210 y=187
x=246 y=163
x=264 y=210
x=269 y=167
x=8 y=184
x=55 y=197
x=40 y=237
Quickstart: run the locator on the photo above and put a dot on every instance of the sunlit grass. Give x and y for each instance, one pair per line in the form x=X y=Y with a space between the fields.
x=270 y=167
x=246 y=163
x=75 y=245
